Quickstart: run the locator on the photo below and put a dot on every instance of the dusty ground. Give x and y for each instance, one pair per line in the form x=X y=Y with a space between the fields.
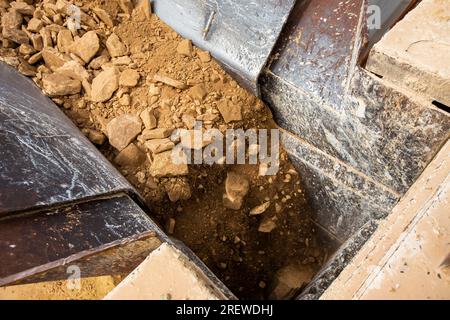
x=116 y=70
x=90 y=289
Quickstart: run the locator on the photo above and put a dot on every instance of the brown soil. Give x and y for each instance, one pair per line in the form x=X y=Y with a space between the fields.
x=90 y=289
x=228 y=241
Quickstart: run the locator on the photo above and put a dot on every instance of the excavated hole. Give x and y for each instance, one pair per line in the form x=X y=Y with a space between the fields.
x=229 y=241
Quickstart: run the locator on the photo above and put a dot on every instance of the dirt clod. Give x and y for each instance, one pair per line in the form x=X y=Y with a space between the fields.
x=123 y=129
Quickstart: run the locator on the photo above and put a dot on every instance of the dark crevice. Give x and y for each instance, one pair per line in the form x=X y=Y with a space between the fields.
x=441 y=106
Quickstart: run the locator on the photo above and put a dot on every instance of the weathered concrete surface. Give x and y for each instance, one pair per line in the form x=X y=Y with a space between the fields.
x=166 y=274
x=408 y=256
x=415 y=53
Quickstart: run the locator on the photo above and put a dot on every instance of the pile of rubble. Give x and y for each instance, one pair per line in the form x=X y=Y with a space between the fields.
x=137 y=90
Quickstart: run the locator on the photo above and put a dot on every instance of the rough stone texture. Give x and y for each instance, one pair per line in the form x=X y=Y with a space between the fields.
x=87 y=46
x=64 y=40
x=129 y=78
x=34 y=25
x=123 y=129
x=230 y=111
x=11 y=20
x=159 y=145
x=73 y=70
x=15 y=35
x=236 y=188
x=415 y=53
x=185 y=48
x=159 y=133
x=60 y=85
x=163 y=165
x=149 y=119
x=130 y=156
x=115 y=47
x=104 y=85
x=104 y=16
x=54 y=59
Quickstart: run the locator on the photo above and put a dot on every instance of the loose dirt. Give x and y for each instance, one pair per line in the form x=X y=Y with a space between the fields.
x=128 y=82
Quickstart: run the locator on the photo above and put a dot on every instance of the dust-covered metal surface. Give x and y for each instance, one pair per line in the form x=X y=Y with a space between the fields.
x=319 y=92
x=53 y=239
x=358 y=142
x=239 y=34
x=44 y=158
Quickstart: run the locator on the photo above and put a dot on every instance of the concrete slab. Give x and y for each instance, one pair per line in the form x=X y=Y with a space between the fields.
x=408 y=256
x=415 y=53
x=166 y=274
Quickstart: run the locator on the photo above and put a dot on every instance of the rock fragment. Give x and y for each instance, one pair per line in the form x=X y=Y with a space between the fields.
x=159 y=145
x=188 y=120
x=96 y=137
x=16 y=35
x=130 y=156
x=11 y=20
x=98 y=62
x=74 y=70
x=164 y=165
x=26 y=69
x=123 y=130
x=170 y=82
x=149 y=119
x=230 y=111
x=185 y=48
x=115 y=47
x=104 y=16
x=86 y=47
x=26 y=49
x=36 y=41
x=64 y=40
x=260 y=209
x=35 y=25
x=159 y=133
x=104 y=85
x=170 y=227
x=126 y=6
x=178 y=189
x=54 y=59
x=60 y=85
x=289 y=280
x=23 y=8
x=129 y=78
x=267 y=225
x=204 y=56
x=144 y=9
x=198 y=92
x=35 y=58
x=194 y=139
x=236 y=188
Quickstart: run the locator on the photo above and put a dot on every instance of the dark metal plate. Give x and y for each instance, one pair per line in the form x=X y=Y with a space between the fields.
x=44 y=158
x=239 y=34
x=52 y=239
